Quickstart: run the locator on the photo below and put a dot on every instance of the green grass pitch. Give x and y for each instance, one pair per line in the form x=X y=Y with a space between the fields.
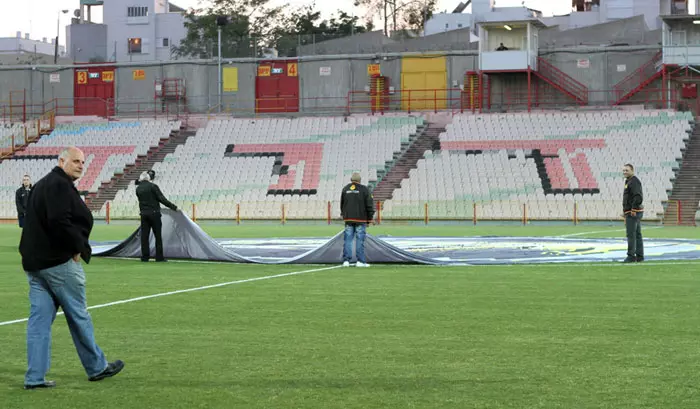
x=546 y=336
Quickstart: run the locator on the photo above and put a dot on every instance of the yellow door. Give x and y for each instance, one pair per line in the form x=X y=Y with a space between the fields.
x=424 y=83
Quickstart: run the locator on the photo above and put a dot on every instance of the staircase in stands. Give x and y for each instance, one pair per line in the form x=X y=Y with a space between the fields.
x=108 y=190
x=639 y=79
x=428 y=140
x=686 y=186
x=561 y=81
x=20 y=148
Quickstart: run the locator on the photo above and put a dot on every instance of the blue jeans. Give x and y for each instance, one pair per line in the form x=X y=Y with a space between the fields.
x=353 y=230
x=61 y=286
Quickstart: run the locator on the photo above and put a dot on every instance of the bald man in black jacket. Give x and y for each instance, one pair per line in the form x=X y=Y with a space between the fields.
x=56 y=236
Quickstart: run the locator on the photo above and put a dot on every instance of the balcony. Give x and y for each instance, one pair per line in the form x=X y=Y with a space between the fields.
x=504 y=60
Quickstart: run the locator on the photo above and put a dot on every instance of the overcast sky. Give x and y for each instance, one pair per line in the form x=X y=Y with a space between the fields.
x=39 y=17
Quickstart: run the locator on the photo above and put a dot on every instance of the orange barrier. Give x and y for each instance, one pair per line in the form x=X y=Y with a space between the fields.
x=523 y=212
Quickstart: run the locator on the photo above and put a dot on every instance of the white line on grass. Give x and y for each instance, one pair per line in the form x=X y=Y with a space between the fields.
x=603 y=231
x=189 y=290
x=568 y=264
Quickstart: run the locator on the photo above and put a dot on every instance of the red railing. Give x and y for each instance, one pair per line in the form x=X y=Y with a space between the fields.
x=543 y=95
x=293 y=103
x=413 y=100
x=147 y=109
x=639 y=78
x=559 y=78
x=680 y=212
x=23 y=133
x=99 y=107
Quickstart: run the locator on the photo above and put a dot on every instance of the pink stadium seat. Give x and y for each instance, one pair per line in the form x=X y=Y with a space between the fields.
x=102 y=154
x=293 y=154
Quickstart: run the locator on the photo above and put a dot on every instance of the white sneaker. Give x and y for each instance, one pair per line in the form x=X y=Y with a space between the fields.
x=346 y=264
x=361 y=264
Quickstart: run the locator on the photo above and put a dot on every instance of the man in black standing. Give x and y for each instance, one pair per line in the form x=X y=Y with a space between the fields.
x=632 y=204
x=150 y=197
x=21 y=199
x=357 y=210
x=54 y=239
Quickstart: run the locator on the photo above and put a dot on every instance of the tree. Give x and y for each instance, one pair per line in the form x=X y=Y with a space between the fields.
x=403 y=14
x=307 y=21
x=307 y=27
x=252 y=24
x=346 y=25
x=30 y=59
x=376 y=8
x=417 y=14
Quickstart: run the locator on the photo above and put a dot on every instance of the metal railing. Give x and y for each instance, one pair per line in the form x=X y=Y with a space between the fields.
x=638 y=77
x=453 y=100
x=523 y=211
x=563 y=80
x=23 y=133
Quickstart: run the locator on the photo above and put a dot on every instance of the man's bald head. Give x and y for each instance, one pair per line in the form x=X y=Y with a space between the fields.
x=72 y=161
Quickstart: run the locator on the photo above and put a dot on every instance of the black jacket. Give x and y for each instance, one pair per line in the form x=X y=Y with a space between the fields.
x=633 y=197
x=21 y=199
x=150 y=197
x=58 y=224
x=356 y=204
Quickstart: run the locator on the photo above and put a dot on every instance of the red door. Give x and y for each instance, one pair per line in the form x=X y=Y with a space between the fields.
x=94 y=91
x=277 y=87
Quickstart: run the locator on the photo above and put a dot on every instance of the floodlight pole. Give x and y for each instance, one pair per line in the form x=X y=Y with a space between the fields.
x=220 y=22
x=221 y=90
x=58 y=33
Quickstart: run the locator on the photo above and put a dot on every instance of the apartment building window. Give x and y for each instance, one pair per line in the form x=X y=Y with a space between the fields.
x=137 y=11
x=166 y=42
x=135 y=46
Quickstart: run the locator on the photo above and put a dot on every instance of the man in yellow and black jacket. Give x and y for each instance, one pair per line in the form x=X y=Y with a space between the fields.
x=632 y=200
x=357 y=210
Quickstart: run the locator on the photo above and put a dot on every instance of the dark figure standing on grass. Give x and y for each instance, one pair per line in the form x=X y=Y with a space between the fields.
x=22 y=198
x=357 y=210
x=150 y=197
x=632 y=204
x=55 y=237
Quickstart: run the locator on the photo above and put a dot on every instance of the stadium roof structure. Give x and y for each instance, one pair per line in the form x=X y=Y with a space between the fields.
x=680 y=17
x=535 y=22
x=175 y=9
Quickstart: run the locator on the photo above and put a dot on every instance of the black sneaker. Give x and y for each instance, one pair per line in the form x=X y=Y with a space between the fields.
x=112 y=369
x=640 y=259
x=630 y=260
x=46 y=384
